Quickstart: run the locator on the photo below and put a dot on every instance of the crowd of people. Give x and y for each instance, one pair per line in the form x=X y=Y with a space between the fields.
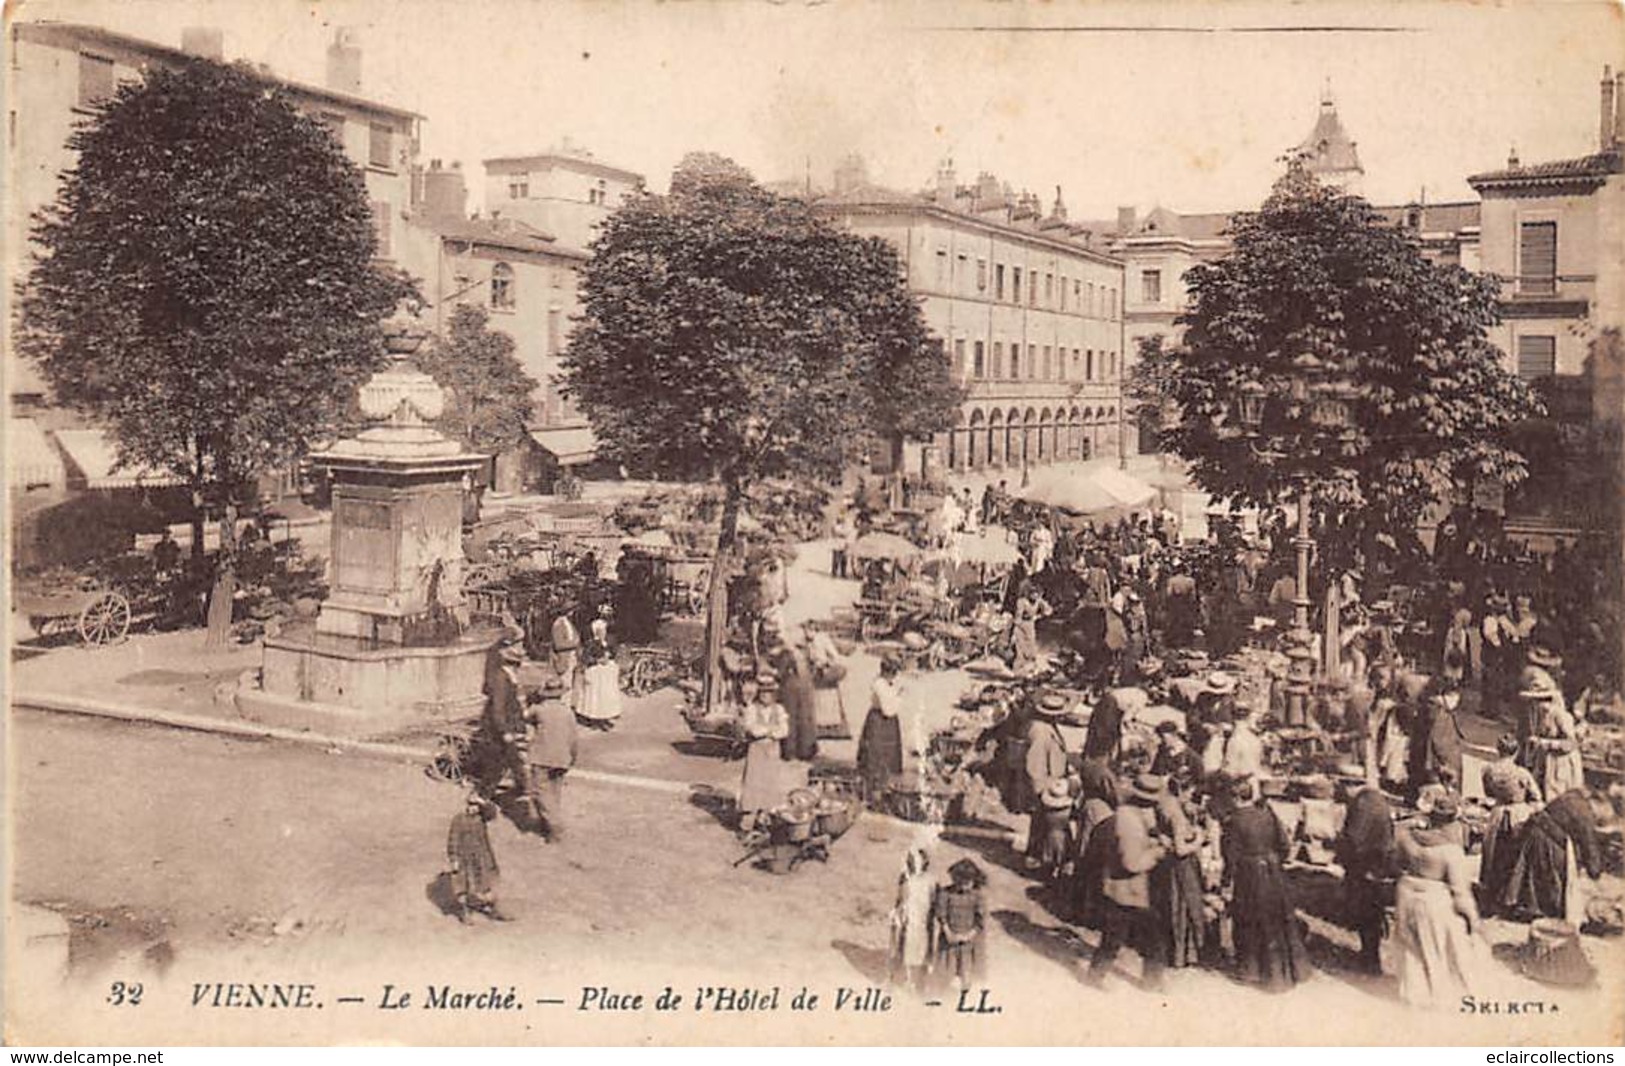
x=1159 y=834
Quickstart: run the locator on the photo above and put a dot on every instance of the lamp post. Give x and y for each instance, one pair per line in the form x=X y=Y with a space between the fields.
x=1303 y=401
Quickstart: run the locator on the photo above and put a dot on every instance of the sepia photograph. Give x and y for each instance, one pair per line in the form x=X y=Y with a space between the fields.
x=819 y=522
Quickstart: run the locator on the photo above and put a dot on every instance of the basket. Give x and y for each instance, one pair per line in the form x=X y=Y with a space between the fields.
x=835 y=820
x=1553 y=954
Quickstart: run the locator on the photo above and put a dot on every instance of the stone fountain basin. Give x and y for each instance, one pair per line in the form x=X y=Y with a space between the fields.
x=349 y=687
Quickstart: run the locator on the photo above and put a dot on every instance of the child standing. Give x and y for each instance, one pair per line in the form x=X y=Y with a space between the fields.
x=960 y=918
x=911 y=921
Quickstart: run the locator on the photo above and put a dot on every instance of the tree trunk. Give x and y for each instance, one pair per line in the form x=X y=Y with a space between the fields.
x=197 y=524
x=716 y=608
x=225 y=582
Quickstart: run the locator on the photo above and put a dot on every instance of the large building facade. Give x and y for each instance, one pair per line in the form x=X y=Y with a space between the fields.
x=1027 y=308
x=61 y=72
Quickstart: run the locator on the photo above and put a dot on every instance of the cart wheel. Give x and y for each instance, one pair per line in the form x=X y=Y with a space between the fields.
x=105 y=620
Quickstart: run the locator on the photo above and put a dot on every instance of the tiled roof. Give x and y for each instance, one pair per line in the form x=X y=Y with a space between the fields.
x=1589 y=168
x=506 y=233
x=1435 y=218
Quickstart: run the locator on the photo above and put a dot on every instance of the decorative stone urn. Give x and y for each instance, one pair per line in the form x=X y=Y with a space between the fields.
x=389 y=649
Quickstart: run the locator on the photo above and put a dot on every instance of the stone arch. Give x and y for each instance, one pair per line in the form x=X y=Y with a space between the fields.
x=993 y=453
x=974 y=456
x=1042 y=450
x=1074 y=434
x=1012 y=436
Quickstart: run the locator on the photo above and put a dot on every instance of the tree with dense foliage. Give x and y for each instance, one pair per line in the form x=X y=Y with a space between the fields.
x=732 y=335
x=205 y=285
x=1318 y=285
x=488 y=402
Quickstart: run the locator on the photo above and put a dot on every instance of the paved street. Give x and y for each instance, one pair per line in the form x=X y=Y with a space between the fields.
x=179 y=857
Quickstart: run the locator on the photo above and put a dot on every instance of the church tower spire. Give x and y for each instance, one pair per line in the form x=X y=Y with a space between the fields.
x=1328 y=152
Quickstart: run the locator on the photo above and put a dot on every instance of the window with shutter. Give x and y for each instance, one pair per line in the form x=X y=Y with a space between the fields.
x=1537 y=357
x=1537 y=258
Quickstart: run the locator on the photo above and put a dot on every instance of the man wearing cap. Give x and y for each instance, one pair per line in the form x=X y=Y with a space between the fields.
x=503 y=720
x=552 y=753
x=1045 y=765
x=1128 y=917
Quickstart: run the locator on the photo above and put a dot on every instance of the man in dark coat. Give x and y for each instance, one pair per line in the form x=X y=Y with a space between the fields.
x=797 y=696
x=1539 y=883
x=1269 y=949
x=1365 y=850
x=552 y=753
x=503 y=722
x=474 y=874
x=1436 y=750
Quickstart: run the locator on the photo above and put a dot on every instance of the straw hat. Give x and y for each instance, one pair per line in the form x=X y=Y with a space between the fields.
x=1052 y=704
x=1544 y=657
x=1148 y=787
x=1058 y=796
x=767 y=679
x=1537 y=684
x=1221 y=684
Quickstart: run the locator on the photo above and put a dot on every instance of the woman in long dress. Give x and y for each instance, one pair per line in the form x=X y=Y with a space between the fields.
x=911 y=946
x=765 y=723
x=880 y=745
x=1554 y=743
x=1442 y=953
x=1515 y=795
x=1176 y=883
x=1557 y=842
x=1269 y=949
x=601 y=689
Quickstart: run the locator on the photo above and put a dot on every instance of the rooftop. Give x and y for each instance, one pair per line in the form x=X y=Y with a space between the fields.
x=74 y=35
x=1328 y=149
x=1589 y=170
x=506 y=233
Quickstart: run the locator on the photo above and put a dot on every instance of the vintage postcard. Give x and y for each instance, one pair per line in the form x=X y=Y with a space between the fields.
x=549 y=522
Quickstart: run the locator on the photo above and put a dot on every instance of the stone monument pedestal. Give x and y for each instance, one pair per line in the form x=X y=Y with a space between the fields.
x=390 y=648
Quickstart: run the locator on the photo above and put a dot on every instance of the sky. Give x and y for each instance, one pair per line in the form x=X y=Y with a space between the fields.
x=1183 y=105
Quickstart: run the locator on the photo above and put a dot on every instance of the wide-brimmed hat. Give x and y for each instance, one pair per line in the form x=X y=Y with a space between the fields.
x=1052 y=703
x=1058 y=796
x=767 y=679
x=1167 y=725
x=1537 y=684
x=1220 y=683
x=1444 y=808
x=1542 y=656
x=1148 y=787
x=1318 y=787
x=551 y=685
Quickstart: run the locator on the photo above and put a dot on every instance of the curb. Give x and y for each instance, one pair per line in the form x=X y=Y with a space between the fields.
x=403 y=753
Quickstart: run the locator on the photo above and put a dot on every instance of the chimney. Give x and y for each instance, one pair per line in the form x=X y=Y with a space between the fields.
x=1125 y=220
x=1619 y=110
x=1059 y=210
x=205 y=42
x=445 y=193
x=945 y=182
x=1607 y=131
x=344 y=61
x=1512 y=158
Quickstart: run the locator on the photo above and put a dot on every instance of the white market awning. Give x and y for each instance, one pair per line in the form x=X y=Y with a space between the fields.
x=570 y=445
x=93 y=460
x=31 y=460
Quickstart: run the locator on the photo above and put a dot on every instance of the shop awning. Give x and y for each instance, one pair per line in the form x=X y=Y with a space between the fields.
x=93 y=461
x=32 y=461
x=570 y=445
x=1101 y=491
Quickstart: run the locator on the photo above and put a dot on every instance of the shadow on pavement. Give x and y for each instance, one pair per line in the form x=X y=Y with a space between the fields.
x=1058 y=943
x=873 y=963
x=717 y=803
